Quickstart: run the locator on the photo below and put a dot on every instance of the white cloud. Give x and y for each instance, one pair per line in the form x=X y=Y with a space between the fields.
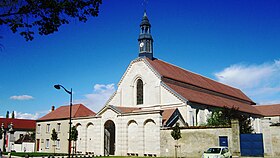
x=21 y=115
x=99 y=96
x=21 y=97
x=260 y=82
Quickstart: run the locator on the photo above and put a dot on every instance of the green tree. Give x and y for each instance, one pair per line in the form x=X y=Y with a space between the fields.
x=223 y=117
x=44 y=16
x=176 y=134
x=74 y=136
x=7 y=114
x=217 y=119
x=54 y=138
x=13 y=115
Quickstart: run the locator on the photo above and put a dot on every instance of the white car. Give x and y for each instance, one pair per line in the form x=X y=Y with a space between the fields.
x=217 y=152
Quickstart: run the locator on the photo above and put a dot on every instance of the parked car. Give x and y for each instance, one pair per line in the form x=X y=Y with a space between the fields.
x=217 y=152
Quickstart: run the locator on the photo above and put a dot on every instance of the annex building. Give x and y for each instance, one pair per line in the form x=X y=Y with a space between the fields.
x=16 y=135
x=151 y=95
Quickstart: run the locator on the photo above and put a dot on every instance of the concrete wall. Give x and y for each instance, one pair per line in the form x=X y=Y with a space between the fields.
x=275 y=137
x=24 y=147
x=193 y=142
x=271 y=139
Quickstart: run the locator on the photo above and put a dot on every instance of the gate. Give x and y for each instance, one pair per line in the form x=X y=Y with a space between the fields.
x=251 y=145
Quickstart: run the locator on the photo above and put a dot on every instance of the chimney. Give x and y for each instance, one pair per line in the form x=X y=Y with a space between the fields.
x=53 y=108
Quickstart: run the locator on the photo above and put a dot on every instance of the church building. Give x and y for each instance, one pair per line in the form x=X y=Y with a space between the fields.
x=151 y=95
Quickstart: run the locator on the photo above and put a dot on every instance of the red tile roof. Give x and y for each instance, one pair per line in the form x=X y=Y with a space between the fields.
x=269 y=110
x=19 y=124
x=63 y=112
x=200 y=89
x=173 y=72
x=166 y=114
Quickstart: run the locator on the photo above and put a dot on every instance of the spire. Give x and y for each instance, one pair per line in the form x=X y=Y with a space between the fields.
x=145 y=39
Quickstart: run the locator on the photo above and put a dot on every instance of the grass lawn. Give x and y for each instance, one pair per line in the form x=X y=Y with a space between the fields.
x=40 y=154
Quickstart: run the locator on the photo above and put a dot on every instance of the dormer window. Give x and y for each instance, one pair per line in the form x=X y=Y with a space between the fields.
x=139 y=92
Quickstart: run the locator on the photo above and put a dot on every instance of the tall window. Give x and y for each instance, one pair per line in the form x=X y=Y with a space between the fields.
x=47 y=143
x=58 y=127
x=58 y=144
x=48 y=128
x=38 y=128
x=148 y=46
x=139 y=92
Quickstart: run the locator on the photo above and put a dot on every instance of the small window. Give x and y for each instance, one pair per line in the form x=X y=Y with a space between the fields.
x=139 y=92
x=58 y=144
x=58 y=127
x=148 y=48
x=38 y=128
x=48 y=128
x=47 y=143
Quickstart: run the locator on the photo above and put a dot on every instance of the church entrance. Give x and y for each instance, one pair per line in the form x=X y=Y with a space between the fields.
x=109 y=138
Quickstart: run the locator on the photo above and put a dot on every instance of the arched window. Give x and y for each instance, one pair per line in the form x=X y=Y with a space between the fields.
x=139 y=92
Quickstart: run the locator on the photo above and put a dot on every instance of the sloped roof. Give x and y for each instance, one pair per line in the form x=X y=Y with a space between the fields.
x=63 y=112
x=171 y=116
x=19 y=124
x=269 y=110
x=199 y=89
x=213 y=100
x=25 y=138
x=166 y=114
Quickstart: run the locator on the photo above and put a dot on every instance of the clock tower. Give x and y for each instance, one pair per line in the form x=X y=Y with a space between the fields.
x=145 y=39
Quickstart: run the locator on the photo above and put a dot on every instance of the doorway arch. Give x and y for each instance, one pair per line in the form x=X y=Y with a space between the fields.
x=109 y=138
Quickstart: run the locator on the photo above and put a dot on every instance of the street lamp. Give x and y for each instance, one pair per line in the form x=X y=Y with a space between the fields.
x=70 y=117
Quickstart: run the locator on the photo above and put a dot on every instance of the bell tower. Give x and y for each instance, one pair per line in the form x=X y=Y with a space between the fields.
x=145 y=39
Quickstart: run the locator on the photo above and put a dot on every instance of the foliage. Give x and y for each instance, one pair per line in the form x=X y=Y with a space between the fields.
x=13 y=115
x=176 y=133
x=245 y=125
x=54 y=135
x=45 y=16
x=223 y=117
x=33 y=136
x=7 y=114
x=217 y=119
x=74 y=133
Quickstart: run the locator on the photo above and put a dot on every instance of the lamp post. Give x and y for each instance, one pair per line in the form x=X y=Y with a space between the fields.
x=70 y=117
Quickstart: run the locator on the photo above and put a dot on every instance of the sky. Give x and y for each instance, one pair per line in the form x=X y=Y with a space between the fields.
x=236 y=42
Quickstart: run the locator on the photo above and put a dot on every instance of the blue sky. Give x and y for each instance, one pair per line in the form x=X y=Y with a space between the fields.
x=232 y=41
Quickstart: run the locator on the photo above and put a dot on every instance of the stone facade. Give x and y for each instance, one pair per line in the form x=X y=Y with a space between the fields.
x=193 y=141
x=43 y=136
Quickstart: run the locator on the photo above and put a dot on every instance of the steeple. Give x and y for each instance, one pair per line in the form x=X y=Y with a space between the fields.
x=145 y=39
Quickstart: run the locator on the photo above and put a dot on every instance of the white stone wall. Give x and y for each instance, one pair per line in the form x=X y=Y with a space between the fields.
x=193 y=142
x=155 y=93
x=89 y=135
x=138 y=134
x=24 y=147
